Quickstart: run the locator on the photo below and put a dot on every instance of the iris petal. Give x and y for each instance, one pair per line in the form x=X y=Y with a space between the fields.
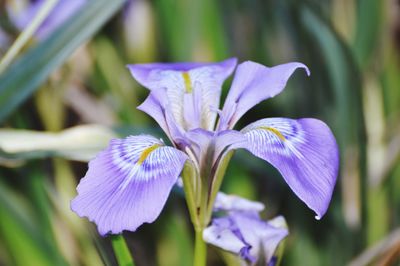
x=304 y=151
x=224 y=234
x=252 y=84
x=157 y=107
x=225 y=202
x=192 y=89
x=128 y=183
x=245 y=234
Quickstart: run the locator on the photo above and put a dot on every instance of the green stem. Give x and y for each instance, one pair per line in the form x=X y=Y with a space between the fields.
x=218 y=177
x=200 y=249
x=188 y=176
x=24 y=36
x=121 y=251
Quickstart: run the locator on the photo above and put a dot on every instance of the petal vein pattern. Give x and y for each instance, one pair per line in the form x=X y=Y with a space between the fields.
x=252 y=84
x=128 y=183
x=246 y=235
x=307 y=157
x=193 y=90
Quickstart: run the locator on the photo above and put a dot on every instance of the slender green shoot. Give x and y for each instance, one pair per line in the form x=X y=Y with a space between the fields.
x=200 y=249
x=26 y=34
x=121 y=251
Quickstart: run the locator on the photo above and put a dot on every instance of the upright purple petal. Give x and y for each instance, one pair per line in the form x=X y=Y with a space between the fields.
x=252 y=84
x=154 y=106
x=304 y=151
x=151 y=75
x=193 y=89
x=157 y=107
x=128 y=183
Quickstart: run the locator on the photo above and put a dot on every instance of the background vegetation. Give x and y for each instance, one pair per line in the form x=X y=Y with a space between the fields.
x=67 y=94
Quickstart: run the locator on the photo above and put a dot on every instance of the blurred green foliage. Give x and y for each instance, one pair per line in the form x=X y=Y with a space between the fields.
x=75 y=77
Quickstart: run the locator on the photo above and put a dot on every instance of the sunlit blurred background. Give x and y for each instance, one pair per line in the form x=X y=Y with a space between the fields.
x=67 y=92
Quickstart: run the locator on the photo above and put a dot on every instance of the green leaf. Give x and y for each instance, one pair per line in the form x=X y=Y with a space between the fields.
x=31 y=70
x=343 y=73
x=369 y=23
x=24 y=239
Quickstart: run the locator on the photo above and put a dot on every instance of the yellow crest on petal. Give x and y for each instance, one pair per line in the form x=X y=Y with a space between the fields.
x=187 y=81
x=275 y=131
x=147 y=152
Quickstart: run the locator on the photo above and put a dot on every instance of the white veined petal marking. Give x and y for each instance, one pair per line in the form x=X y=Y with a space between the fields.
x=208 y=87
x=132 y=157
x=201 y=86
x=281 y=137
x=275 y=131
x=174 y=83
x=139 y=169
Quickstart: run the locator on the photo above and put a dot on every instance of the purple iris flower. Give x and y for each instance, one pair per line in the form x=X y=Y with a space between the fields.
x=128 y=183
x=242 y=232
x=60 y=13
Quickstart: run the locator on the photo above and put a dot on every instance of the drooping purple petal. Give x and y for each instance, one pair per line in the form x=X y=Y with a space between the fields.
x=60 y=13
x=193 y=89
x=246 y=235
x=128 y=183
x=252 y=84
x=304 y=151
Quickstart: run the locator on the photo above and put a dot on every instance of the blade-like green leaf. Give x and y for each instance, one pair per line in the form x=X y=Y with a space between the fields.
x=24 y=76
x=369 y=24
x=343 y=74
x=23 y=238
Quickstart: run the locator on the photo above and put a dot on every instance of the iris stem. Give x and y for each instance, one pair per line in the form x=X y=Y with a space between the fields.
x=219 y=176
x=188 y=175
x=121 y=251
x=25 y=35
x=200 y=249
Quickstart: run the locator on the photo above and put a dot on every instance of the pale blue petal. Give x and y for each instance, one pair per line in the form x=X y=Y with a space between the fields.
x=304 y=151
x=128 y=183
x=193 y=90
x=245 y=235
x=252 y=84
x=225 y=202
x=157 y=107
